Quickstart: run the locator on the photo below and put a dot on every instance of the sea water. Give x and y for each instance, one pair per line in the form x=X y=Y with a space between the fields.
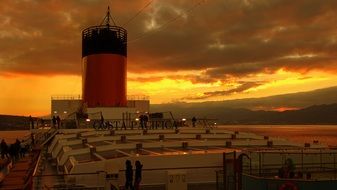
x=11 y=136
x=325 y=134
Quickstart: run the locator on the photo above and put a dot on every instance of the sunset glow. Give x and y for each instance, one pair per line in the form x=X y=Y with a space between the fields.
x=216 y=50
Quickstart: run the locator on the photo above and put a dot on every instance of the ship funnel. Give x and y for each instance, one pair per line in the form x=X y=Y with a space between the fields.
x=104 y=58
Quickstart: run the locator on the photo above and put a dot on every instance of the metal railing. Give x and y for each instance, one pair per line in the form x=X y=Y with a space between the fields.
x=267 y=163
x=66 y=97
x=137 y=97
x=100 y=180
x=68 y=181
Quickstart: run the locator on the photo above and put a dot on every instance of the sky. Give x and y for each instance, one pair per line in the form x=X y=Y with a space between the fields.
x=178 y=50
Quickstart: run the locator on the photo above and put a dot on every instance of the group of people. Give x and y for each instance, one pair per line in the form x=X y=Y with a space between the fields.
x=56 y=121
x=14 y=151
x=143 y=119
x=129 y=183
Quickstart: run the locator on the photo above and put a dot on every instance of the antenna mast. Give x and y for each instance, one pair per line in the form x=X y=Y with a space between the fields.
x=107 y=18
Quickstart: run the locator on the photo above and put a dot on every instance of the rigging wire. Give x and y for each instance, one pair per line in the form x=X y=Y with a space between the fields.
x=163 y=26
x=109 y=15
x=138 y=13
x=107 y=18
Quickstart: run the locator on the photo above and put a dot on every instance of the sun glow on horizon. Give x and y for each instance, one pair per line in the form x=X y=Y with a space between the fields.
x=30 y=94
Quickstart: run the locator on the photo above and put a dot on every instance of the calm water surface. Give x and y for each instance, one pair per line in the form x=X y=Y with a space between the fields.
x=326 y=134
x=11 y=136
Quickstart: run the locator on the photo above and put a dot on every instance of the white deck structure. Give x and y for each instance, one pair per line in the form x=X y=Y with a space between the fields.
x=170 y=158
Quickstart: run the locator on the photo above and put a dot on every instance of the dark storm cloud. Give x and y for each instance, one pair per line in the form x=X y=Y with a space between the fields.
x=145 y=79
x=234 y=38
x=44 y=37
x=224 y=38
x=241 y=88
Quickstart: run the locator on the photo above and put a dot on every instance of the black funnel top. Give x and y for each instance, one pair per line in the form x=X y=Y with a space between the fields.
x=104 y=38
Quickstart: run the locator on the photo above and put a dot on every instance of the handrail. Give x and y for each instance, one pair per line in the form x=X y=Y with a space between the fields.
x=291 y=150
x=178 y=168
x=66 y=97
x=287 y=179
x=37 y=164
x=137 y=97
x=74 y=174
x=50 y=136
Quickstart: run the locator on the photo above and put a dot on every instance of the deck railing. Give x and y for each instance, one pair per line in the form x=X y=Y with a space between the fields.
x=66 y=97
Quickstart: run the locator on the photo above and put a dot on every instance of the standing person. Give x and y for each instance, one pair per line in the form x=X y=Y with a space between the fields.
x=4 y=149
x=194 y=120
x=138 y=175
x=17 y=149
x=32 y=138
x=102 y=121
x=42 y=122
x=58 y=121
x=54 y=121
x=145 y=119
x=128 y=175
x=11 y=151
x=22 y=149
x=31 y=121
x=141 y=121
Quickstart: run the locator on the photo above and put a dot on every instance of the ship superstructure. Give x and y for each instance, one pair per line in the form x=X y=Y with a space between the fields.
x=185 y=158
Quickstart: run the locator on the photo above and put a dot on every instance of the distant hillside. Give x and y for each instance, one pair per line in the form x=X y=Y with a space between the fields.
x=9 y=122
x=321 y=114
x=241 y=111
x=293 y=100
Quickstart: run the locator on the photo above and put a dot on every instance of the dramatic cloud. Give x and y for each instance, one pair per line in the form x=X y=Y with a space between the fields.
x=190 y=50
x=229 y=37
x=244 y=86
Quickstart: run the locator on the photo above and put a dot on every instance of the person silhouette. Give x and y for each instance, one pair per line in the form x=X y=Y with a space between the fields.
x=4 y=149
x=141 y=121
x=54 y=121
x=31 y=120
x=58 y=121
x=145 y=120
x=194 y=120
x=138 y=175
x=128 y=175
x=102 y=121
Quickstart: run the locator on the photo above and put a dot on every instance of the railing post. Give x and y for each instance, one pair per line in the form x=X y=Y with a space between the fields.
x=302 y=160
x=260 y=164
x=320 y=158
x=250 y=163
x=217 y=179
x=334 y=164
x=224 y=177
x=235 y=172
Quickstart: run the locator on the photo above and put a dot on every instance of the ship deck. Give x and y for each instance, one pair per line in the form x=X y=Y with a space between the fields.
x=76 y=158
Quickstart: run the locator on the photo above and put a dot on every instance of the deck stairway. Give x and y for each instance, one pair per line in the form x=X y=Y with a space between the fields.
x=44 y=168
x=20 y=176
x=49 y=135
x=46 y=175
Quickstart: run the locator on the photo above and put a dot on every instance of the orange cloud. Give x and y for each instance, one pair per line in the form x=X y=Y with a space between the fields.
x=269 y=47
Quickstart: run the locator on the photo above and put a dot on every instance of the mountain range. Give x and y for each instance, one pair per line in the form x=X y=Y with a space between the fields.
x=313 y=107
